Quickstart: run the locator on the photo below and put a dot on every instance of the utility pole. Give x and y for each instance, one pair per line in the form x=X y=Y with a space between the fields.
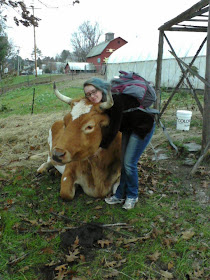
x=34 y=45
x=18 y=63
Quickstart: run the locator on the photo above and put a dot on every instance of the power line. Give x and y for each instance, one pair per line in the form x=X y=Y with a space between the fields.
x=47 y=6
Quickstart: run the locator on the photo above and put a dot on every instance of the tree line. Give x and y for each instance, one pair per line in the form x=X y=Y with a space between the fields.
x=82 y=41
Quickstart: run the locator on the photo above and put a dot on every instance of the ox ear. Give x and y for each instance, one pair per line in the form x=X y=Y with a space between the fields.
x=89 y=127
x=104 y=121
x=62 y=97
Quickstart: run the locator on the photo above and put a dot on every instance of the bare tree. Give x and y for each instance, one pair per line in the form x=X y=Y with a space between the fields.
x=85 y=39
x=26 y=17
x=38 y=53
x=5 y=46
x=64 y=56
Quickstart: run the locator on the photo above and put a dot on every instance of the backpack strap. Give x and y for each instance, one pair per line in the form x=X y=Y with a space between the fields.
x=168 y=137
x=146 y=110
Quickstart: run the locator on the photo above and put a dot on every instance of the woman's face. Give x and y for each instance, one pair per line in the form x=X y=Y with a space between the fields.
x=93 y=94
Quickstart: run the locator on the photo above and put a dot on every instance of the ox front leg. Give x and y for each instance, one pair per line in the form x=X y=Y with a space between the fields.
x=67 y=190
x=45 y=166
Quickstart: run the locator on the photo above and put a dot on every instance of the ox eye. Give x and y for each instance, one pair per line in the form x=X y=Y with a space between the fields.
x=89 y=127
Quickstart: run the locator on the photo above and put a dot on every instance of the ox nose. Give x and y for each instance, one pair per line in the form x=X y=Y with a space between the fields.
x=58 y=155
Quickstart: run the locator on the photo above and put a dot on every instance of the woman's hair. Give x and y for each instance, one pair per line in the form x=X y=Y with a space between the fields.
x=99 y=84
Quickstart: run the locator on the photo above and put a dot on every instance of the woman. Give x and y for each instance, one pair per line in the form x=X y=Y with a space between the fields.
x=137 y=128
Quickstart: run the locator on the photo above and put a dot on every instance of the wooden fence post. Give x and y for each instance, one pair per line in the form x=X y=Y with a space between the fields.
x=32 y=109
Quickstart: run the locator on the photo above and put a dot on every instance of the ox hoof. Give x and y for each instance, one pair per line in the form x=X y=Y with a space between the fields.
x=45 y=167
x=66 y=197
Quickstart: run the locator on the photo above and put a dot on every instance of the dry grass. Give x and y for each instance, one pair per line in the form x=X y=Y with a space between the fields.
x=25 y=136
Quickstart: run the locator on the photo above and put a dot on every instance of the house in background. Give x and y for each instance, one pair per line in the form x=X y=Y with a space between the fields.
x=78 y=67
x=99 y=54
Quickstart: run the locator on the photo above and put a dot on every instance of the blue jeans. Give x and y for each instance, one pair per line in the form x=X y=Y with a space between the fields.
x=132 y=149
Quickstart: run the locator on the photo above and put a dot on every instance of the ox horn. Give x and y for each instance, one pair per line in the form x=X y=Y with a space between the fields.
x=109 y=103
x=62 y=97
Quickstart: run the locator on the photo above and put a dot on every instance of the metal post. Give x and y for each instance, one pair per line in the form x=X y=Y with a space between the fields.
x=34 y=45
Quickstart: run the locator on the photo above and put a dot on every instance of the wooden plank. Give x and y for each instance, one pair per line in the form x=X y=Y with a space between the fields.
x=191 y=26
x=206 y=111
x=201 y=29
x=184 y=15
x=198 y=20
x=195 y=167
x=190 y=70
x=183 y=76
x=200 y=12
x=159 y=70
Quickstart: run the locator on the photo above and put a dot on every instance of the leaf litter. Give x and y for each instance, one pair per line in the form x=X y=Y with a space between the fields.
x=23 y=143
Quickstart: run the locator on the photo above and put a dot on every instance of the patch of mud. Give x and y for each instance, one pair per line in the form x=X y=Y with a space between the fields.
x=87 y=235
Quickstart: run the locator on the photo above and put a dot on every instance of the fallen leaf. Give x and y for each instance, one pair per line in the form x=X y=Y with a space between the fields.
x=72 y=256
x=111 y=274
x=205 y=185
x=47 y=250
x=61 y=267
x=23 y=269
x=121 y=262
x=110 y=264
x=170 y=265
x=131 y=240
x=198 y=273
x=154 y=257
x=118 y=256
x=186 y=235
x=170 y=240
x=50 y=264
x=98 y=207
x=82 y=258
x=166 y=274
x=76 y=242
x=61 y=275
x=154 y=182
x=104 y=242
x=89 y=202
x=33 y=222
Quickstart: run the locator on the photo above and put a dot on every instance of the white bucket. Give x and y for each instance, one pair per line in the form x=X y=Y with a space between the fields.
x=183 y=119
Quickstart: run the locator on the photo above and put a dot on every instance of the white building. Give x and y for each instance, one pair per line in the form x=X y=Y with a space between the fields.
x=141 y=57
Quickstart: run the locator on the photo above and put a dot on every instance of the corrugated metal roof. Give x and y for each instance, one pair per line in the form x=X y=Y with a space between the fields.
x=81 y=66
x=98 y=49
x=139 y=50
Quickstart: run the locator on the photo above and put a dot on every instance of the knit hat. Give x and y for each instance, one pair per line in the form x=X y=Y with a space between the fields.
x=99 y=84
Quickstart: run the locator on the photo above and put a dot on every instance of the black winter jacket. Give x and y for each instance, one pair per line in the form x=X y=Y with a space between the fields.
x=136 y=121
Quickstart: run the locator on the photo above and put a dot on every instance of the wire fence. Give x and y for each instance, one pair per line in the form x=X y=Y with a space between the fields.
x=29 y=81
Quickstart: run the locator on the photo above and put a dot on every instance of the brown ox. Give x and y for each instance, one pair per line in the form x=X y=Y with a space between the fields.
x=73 y=142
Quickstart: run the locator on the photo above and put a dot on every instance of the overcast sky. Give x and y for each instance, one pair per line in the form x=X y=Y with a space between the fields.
x=127 y=19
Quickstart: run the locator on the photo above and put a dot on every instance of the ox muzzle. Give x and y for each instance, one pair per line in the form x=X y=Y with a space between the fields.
x=59 y=156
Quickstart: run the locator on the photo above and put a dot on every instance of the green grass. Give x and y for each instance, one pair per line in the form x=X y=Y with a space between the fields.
x=19 y=101
x=10 y=80
x=30 y=249
x=26 y=208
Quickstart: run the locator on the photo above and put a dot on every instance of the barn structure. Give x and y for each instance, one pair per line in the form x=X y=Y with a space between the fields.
x=172 y=68
x=199 y=14
x=78 y=67
x=99 y=54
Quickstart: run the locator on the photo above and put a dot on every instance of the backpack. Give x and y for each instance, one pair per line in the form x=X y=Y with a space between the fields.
x=136 y=86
